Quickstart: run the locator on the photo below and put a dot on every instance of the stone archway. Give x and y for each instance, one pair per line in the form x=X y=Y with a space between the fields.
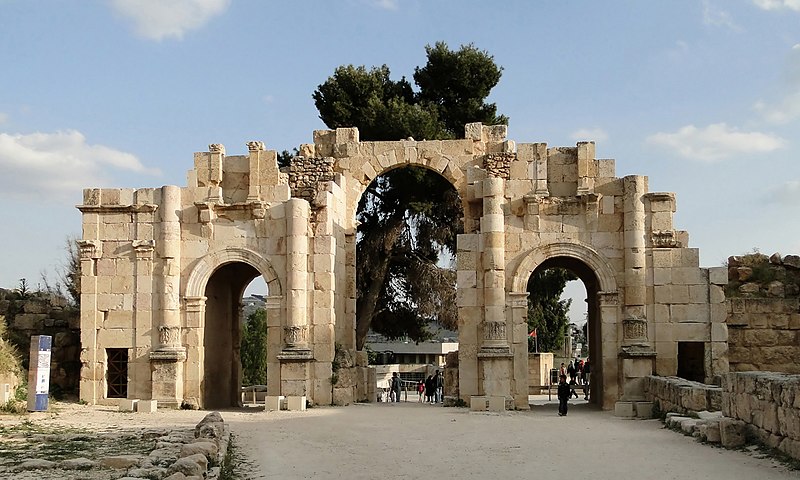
x=601 y=285
x=221 y=277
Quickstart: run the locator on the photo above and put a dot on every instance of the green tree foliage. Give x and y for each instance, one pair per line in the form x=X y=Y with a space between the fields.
x=254 y=348
x=409 y=216
x=454 y=84
x=546 y=312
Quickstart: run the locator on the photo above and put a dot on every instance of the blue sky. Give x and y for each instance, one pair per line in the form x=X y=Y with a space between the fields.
x=701 y=96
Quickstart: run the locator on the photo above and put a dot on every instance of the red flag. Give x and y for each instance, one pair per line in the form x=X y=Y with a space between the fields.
x=532 y=334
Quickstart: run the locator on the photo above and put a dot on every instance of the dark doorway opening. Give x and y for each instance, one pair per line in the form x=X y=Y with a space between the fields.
x=117 y=372
x=691 y=361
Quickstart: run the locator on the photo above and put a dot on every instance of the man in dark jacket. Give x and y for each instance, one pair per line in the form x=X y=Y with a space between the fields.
x=395 y=386
x=563 y=396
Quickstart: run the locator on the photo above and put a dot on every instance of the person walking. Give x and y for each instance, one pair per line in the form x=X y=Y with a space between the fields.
x=429 y=389
x=563 y=396
x=420 y=390
x=438 y=383
x=395 y=386
x=587 y=373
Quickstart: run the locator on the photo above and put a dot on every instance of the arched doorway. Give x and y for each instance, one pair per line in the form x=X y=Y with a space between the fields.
x=602 y=307
x=214 y=292
x=593 y=330
x=222 y=369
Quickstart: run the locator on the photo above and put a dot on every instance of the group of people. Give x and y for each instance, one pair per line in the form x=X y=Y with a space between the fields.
x=579 y=373
x=432 y=388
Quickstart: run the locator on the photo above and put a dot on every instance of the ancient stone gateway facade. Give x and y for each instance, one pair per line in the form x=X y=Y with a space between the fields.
x=163 y=270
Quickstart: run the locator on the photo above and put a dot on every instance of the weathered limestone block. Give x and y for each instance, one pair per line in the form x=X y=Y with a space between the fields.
x=732 y=433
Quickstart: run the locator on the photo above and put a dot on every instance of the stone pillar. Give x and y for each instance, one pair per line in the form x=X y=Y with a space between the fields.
x=518 y=307
x=295 y=331
x=195 y=352
x=495 y=354
x=256 y=150
x=634 y=309
x=585 y=158
x=167 y=359
x=92 y=371
x=604 y=351
x=637 y=354
x=139 y=378
x=215 y=172
x=495 y=339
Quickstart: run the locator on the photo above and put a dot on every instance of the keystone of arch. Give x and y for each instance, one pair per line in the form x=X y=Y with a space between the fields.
x=579 y=251
x=208 y=264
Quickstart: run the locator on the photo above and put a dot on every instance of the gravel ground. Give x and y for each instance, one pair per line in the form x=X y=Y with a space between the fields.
x=368 y=441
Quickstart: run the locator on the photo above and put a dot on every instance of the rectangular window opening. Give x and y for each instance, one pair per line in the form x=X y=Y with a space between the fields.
x=117 y=372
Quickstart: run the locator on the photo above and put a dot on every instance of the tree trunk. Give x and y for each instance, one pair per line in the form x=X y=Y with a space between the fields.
x=367 y=303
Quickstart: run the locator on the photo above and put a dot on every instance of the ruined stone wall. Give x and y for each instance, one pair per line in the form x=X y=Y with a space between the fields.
x=45 y=314
x=764 y=313
x=769 y=403
x=675 y=394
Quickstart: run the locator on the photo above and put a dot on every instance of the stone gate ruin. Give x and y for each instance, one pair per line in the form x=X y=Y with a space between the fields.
x=164 y=270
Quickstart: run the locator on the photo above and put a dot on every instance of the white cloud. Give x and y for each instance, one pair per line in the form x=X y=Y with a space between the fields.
x=786 y=108
x=59 y=164
x=716 y=142
x=716 y=17
x=787 y=193
x=588 y=134
x=778 y=4
x=159 y=19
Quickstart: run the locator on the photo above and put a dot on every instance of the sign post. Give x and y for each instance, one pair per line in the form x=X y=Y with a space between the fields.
x=39 y=373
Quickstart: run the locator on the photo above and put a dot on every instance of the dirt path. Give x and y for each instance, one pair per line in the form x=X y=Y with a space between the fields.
x=424 y=441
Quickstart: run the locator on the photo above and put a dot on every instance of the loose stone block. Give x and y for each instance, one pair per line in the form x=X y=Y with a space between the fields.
x=624 y=409
x=296 y=402
x=478 y=403
x=732 y=433
x=273 y=402
x=146 y=406
x=127 y=404
x=497 y=403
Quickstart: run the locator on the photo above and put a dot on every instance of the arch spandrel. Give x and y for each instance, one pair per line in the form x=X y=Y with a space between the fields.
x=208 y=264
x=579 y=251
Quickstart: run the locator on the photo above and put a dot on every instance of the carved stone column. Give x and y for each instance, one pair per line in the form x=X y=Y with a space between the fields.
x=167 y=359
x=495 y=338
x=295 y=332
x=634 y=188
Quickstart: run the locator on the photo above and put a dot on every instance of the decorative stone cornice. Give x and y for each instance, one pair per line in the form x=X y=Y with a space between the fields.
x=144 y=248
x=255 y=146
x=143 y=208
x=90 y=248
x=210 y=210
x=217 y=148
x=608 y=298
x=665 y=239
x=177 y=354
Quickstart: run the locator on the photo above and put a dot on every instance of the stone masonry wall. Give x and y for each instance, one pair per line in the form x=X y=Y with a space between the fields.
x=45 y=314
x=764 y=313
x=675 y=394
x=769 y=403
